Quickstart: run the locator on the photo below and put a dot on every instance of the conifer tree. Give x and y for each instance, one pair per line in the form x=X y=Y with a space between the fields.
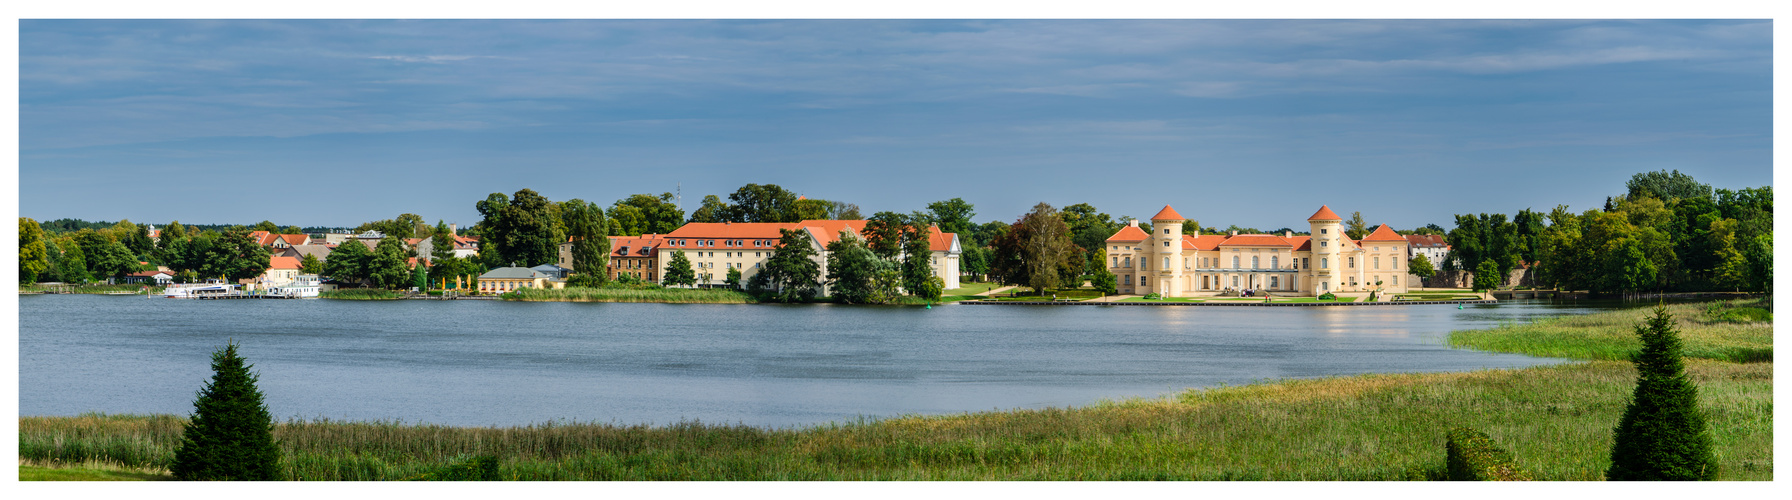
x=1662 y=435
x=230 y=436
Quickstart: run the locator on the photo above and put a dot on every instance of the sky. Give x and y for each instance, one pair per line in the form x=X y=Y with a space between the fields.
x=1253 y=123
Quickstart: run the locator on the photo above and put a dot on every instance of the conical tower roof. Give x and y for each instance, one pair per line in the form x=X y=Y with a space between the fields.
x=1325 y=213
x=1168 y=214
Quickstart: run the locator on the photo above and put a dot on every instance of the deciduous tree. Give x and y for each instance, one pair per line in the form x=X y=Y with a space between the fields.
x=678 y=271
x=33 y=260
x=792 y=274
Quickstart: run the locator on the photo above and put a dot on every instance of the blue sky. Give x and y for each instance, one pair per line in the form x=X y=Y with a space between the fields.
x=1254 y=123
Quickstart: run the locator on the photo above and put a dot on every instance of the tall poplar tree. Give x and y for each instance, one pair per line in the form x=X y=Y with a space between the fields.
x=33 y=259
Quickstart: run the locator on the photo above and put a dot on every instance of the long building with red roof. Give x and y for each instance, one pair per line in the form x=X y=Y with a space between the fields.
x=713 y=248
x=1171 y=262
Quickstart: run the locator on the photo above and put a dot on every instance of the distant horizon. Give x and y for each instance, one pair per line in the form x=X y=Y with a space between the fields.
x=1255 y=123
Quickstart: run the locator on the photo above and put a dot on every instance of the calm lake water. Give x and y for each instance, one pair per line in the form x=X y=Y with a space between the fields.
x=503 y=363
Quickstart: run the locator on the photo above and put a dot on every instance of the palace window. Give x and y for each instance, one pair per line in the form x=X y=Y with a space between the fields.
x=1116 y=262
x=1235 y=263
x=1306 y=263
x=1275 y=262
x=1253 y=262
x=1324 y=262
x=1275 y=282
x=1396 y=280
x=1394 y=262
x=1166 y=263
x=1322 y=243
x=1166 y=243
x=1322 y=231
x=1128 y=279
x=1234 y=282
x=1352 y=262
x=1129 y=262
x=1378 y=262
x=1166 y=230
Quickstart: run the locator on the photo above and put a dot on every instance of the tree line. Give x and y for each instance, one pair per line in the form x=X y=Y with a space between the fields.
x=1667 y=232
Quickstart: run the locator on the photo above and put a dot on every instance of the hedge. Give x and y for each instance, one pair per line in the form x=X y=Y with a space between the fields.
x=1471 y=456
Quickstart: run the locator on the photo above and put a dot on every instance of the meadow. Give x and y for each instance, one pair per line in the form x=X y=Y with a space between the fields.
x=1556 y=420
x=662 y=295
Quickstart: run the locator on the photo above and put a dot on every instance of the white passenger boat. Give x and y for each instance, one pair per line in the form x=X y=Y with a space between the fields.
x=305 y=286
x=197 y=290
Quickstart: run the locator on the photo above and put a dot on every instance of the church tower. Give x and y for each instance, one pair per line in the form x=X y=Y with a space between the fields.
x=1327 y=272
x=1166 y=239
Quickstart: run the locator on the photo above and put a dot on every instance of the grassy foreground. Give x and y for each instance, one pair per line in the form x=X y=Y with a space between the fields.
x=1556 y=420
x=1739 y=331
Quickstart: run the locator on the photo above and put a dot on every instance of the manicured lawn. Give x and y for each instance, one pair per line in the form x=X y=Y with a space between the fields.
x=1167 y=299
x=972 y=289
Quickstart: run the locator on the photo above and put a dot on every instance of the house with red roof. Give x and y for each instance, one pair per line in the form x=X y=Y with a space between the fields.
x=1173 y=263
x=715 y=247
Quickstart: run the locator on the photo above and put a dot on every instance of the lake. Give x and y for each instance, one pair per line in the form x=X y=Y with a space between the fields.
x=476 y=363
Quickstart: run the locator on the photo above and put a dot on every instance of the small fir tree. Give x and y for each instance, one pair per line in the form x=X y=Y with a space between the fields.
x=230 y=436
x=1662 y=435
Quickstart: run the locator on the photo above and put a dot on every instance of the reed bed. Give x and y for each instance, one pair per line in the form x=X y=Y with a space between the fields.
x=663 y=295
x=1709 y=330
x=1556 y=421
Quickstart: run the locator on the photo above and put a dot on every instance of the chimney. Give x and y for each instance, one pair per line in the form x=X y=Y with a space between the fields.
x=1235 y=233
x=1133 y=223
x=453 y=229
x=1287 y=234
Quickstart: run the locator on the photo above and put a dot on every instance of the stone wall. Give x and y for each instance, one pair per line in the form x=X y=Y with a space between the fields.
x=1465 y=279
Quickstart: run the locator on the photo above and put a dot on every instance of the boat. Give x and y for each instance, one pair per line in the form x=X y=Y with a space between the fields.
x=305 y=286
x=198 y=290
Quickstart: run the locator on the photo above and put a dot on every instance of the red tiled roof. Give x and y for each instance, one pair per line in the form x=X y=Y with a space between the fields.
x=283 y=263
x=262 y=238
x=634 y=244
x=1383 y=233
x=1301 y=242
x=294 y=239
x=1257 y=240
x=1128 y=233
x=1325 y=213
x=1167 y=214
x=726 y=230
x=1425 y=240
x=939 y=241
x=1202 y=242
x=146 y=274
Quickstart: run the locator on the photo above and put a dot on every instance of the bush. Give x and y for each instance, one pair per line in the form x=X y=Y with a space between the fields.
x=1328 y=296
x=480 y=468
x=231 y=436
x=1469 y=455
x=1153 y=296
x=1662 y=435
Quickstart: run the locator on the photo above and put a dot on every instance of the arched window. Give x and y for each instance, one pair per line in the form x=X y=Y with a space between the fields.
x=1254 y=262
x=1323 y=262
x=1166 y=263
x=1235 y=266
x=1275 y=262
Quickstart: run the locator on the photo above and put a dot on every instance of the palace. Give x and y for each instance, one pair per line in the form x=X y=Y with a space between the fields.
x=1173 y=264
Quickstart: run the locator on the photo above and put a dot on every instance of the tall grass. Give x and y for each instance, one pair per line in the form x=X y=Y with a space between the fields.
x=1708 y=332
x=1555 y=420
x=665 y=295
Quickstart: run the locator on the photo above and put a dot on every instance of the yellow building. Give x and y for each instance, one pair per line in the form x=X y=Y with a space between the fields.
x=1172 y=263
x=505 y=279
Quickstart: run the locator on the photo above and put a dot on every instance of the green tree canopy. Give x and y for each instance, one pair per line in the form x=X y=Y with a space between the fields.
x=348 y=262
x=762 y=203
x=644 y=214
x=387 y=267
x=1420 y=265
x=792 y=274
x=1666 y=185
x=713 y=210
x=953 y=216
x=310 y=264
x=678 y=271
x=33 y=259
x=854 y=272
x=441 y=245
x=586 y=226
x=230 y=436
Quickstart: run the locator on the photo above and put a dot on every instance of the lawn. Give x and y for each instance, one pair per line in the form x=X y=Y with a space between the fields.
x=973 y=288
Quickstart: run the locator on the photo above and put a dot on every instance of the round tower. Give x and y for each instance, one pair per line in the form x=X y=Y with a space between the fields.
x=1326 y=273
x=1166 y=238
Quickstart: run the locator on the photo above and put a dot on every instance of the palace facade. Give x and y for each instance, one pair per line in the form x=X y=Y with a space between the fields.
x=1172 y=263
